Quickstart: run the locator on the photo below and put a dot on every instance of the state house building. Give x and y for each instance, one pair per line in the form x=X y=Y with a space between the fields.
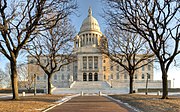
x=91 y=64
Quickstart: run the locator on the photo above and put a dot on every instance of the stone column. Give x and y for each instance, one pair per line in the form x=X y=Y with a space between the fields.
x=82 y=40
x=87 y=77
x=75 y=43
x=79 y=42
x=87 y=64
x=85 y=39
x=96 y=42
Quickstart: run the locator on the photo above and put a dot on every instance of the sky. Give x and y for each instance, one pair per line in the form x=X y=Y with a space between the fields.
x=77 y=19
x=97 y=9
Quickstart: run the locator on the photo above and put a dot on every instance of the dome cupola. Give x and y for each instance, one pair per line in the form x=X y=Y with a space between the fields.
x=90 y=23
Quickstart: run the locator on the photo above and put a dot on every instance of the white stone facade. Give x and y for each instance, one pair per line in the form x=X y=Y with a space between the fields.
x=91 y=65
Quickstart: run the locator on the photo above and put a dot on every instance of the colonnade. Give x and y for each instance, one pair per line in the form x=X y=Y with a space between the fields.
x=87 y=39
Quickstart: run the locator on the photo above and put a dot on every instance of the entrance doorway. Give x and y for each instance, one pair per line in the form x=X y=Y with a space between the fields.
x=84 y=77
x=90 y=76
x=96 y=77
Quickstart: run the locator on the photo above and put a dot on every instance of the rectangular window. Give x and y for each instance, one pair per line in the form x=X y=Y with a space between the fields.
x=84 y=62
x=149 y=67
x=90 y=61
x=117 y=68
x=75 y=68
x=104 y=68
x=95 y=62
x=68 y=67
x=142 y=68
x=111 y=68
x=117 y=76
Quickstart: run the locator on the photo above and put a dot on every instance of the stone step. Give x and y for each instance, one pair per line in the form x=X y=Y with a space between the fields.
x=90 y=91
x=90 y=84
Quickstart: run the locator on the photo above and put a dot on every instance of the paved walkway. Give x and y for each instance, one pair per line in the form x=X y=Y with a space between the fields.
x=91 y=104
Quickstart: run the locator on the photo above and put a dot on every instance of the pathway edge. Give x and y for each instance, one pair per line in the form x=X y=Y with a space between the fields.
x=60 y=102
x=120 y=102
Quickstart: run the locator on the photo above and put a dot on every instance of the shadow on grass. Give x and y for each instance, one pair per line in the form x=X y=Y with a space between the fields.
x=39 y=98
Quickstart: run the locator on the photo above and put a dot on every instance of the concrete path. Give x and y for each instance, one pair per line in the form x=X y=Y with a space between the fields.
x=91 y=104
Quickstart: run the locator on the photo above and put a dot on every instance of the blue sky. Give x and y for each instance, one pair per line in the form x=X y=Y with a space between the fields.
x=82 y=13
x=97 y=9
x=77 y=20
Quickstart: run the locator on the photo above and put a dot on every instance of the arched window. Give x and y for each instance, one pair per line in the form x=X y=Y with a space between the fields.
x=84 y=77
x=135 y=76
x=44 y=76
x=55 y=77
x=111 y=76
x=117 y=76
x=62 y=77
x=142 y=76
x=125 y=76
x=38 y=78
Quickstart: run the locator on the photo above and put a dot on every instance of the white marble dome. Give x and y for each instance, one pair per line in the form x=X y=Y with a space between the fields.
x=90 y=23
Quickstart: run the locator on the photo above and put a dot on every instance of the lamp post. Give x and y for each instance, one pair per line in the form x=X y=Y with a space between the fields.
x=34 y=84
x=111 y=83
x=173 y=82
x=147 y=83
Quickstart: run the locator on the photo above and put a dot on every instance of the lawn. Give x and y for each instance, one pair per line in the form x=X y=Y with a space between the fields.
x=151 y=103
x=29 y=103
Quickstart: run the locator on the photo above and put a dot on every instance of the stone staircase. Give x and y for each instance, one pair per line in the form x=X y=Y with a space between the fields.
x=90 y=85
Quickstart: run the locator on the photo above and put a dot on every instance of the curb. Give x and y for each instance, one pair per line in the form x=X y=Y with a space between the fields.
x=60 y=102
x=120 y=102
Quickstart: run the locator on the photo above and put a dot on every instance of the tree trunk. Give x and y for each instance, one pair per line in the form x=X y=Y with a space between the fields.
x=164 y=84
x=131 y=84
x=49 y=85
x=14 y=80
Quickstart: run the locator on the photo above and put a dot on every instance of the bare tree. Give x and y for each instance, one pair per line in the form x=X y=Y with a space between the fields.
x=20 y=20
x=53 y=46
x=128 y=50
x=157 y=21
